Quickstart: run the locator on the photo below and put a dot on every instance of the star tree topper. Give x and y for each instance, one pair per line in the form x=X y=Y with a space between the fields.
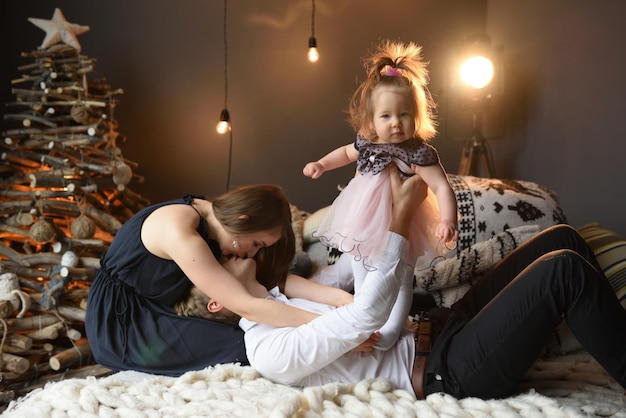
x=58 y=29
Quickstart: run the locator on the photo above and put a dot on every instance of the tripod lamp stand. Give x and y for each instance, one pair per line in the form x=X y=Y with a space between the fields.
x=477 y=80
x=476 y=151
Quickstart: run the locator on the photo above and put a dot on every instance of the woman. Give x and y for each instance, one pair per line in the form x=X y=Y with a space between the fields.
x=166 y=248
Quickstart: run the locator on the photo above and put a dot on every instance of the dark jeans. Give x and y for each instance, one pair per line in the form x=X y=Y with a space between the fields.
x=507 y=318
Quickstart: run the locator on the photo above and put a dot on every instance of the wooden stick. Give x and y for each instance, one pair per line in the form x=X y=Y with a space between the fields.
x=43 y=141
x=91 y=262
x=19 y=341
x=42 y=258
x=51 y=332
x=12 y=229
x=72 y=313
x=6 y=308
x=22 y=131
x=20 y=160
x=21 y=219
x=71 y=356
x=72 y=334
x=77 y=293
x=29 y=117
x=58 y=177
x=80 y=244
x=32 y=273
x=69 y=102
x=78 y=273
x=14 y=232
x=30 y=322
x=27 y=353
x=12 y=255
x=14 y=363
x=61 y=208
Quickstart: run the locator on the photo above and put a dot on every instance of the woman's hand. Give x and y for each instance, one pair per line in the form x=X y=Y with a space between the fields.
x=299 y=287
x=342 y=297
x=368 y=345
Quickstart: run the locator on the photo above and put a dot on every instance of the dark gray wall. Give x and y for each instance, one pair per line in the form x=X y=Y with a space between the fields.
x=563 y=131
x=168 y=58
x=567 y=62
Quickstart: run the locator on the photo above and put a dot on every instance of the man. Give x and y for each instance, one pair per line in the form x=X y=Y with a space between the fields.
x=323 y=351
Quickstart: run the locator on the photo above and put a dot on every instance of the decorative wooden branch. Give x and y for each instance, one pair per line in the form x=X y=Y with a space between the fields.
x=65 y=192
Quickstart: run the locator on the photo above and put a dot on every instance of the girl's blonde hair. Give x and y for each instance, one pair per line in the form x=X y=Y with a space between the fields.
x=266 y=208
x=408 y=75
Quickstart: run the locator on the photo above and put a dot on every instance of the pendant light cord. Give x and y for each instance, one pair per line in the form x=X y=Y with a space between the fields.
x=230 y=133
x=225 y=54
x=312 y=18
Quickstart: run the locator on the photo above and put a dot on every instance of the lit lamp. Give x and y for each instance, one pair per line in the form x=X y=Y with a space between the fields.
x=313 y=54
x=477 y=71
x=476 y=82
x=223 y=125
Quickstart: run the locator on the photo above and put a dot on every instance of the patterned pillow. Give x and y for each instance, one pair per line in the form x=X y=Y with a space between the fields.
x=449 y=279
x=610 y=250
x=490 y=206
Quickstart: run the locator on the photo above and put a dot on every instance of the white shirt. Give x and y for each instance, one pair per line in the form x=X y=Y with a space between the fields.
x=320 y=352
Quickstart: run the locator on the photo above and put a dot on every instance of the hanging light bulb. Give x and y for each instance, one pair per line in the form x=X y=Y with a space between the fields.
x=223 y=125
x=313 y=54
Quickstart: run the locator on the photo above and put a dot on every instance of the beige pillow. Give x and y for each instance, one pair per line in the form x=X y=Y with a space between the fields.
x=311 y=223
x=610 y=250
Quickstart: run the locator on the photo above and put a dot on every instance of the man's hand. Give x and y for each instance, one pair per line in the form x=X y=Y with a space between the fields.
x=242 y=268
x=407 y=195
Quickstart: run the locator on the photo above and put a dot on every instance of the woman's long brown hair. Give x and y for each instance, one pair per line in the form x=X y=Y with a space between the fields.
x=266 y=208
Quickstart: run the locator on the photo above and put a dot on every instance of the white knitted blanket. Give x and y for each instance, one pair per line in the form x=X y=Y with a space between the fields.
x=231 y=390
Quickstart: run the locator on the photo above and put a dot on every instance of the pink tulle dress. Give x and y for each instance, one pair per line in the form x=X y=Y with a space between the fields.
x=358 y=220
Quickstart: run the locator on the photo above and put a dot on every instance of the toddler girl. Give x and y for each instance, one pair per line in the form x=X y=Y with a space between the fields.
x=392 y=113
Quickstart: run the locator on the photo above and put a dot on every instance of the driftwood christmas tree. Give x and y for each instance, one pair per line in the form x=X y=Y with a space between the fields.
x=64 y=194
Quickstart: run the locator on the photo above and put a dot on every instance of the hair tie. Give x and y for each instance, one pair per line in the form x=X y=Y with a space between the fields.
x=391 y=71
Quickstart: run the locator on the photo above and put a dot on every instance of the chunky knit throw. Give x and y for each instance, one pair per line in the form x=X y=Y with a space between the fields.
x=231 y=390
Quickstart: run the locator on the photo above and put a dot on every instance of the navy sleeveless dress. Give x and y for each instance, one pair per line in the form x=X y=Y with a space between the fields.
x=131 y=323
